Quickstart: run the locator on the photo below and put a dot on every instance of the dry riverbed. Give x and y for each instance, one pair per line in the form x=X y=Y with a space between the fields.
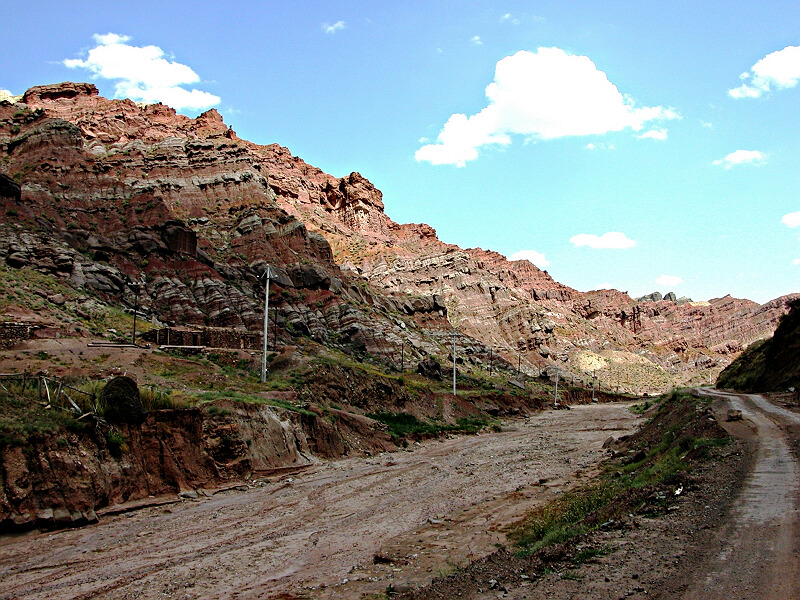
x=344 y=529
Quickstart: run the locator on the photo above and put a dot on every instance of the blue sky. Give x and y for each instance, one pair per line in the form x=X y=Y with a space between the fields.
x=638 y=145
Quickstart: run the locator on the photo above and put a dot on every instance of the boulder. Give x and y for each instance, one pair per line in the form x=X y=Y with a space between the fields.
x=430 y=368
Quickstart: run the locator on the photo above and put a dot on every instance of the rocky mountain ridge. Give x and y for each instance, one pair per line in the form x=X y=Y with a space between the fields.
x=138 y=201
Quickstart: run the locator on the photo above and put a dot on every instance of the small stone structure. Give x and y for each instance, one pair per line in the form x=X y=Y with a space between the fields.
x=211 y=337
x=12 y=334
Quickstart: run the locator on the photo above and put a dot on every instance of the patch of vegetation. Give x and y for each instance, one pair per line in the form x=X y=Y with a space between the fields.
x=405 y=425
x=23 y=417
x=243 y=398
x=641 y=483
x=641 y=408
x=116 y=443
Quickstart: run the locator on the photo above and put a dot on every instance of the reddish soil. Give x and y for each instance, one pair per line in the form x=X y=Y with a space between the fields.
x=345 y=529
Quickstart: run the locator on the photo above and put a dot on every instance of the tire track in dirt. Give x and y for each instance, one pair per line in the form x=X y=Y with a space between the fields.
x=307 y=533
x=758 y=553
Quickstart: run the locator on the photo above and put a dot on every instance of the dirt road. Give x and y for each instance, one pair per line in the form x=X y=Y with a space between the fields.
x=758 y=553
x=423 y=512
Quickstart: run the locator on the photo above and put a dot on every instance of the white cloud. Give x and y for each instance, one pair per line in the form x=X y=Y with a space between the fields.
x=778 y=70
x=509 y=18
x=144 y=74
x=669 y=280
x=659 y=133
x=476 y=39
x=742 y=157
x=791 y=219
x=707 y=125
x=612 y=240
x=8 y=96
x=533 y=256
x=600 y=146
x=328 y=28
x=796 y=261
x=542 y=95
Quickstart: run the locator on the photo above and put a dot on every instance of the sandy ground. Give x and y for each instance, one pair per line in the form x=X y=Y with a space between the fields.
x=344 y=529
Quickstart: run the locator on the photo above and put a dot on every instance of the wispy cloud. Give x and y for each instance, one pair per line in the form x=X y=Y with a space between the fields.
x=541 y=95
x=791 y=219
x=600 y=146
x=509 y=18
x=533 y=256
x=796 y=261
x=613 y=240
x=143 y=73
x=476 y=39
x=669 y=280
x=659 y=133
x=776 y=71
x=742 y=157
x=328 y=28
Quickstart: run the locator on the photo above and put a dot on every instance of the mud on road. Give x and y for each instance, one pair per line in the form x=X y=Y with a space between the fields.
x=345 y=529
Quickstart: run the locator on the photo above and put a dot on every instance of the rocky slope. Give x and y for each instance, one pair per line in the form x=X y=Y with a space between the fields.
x=772 y=365
x=128 y=200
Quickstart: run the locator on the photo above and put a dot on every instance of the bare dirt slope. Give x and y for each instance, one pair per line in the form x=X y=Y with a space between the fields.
x=423 y=512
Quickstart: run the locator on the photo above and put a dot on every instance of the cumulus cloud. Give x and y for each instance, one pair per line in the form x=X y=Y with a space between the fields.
x=328 y=28
x=476 y=39
x=669 y=280
x=742 y=157
x=533 y=256
x=541 y=95
x=791 y=219
x=8 y=96
x=143 y=73
x=776 y=71
x=612 y=240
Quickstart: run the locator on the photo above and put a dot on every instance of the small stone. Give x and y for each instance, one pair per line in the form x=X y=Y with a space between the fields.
x=189 y=494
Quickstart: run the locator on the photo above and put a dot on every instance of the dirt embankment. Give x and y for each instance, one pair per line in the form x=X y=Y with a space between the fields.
x=340 y=529
x=61 y=479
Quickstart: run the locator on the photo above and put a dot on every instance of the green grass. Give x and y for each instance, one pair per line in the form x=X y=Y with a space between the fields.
x=243 y=398
x=22 y=417
x=620 y=489
x=404 y=425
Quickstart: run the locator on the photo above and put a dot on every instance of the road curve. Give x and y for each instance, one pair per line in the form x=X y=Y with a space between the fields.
x=758 y=554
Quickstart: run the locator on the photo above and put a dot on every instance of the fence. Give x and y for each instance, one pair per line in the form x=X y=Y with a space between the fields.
x=55 y=392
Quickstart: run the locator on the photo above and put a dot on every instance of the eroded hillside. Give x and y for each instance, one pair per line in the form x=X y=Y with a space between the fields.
x=180 y=217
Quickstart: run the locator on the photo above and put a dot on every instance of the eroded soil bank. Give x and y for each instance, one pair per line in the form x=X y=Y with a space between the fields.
x=344 y=529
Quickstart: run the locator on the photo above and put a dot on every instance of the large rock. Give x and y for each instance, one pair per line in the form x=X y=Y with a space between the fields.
x=430 y=368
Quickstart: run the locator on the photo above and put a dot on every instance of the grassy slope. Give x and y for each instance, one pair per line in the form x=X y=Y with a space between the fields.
x=770 y=365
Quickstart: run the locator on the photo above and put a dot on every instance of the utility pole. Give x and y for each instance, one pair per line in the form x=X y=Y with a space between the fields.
x=135 y=310
x=136 y=285
x=268 y=273
x=556 y=394
x=454 y=362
